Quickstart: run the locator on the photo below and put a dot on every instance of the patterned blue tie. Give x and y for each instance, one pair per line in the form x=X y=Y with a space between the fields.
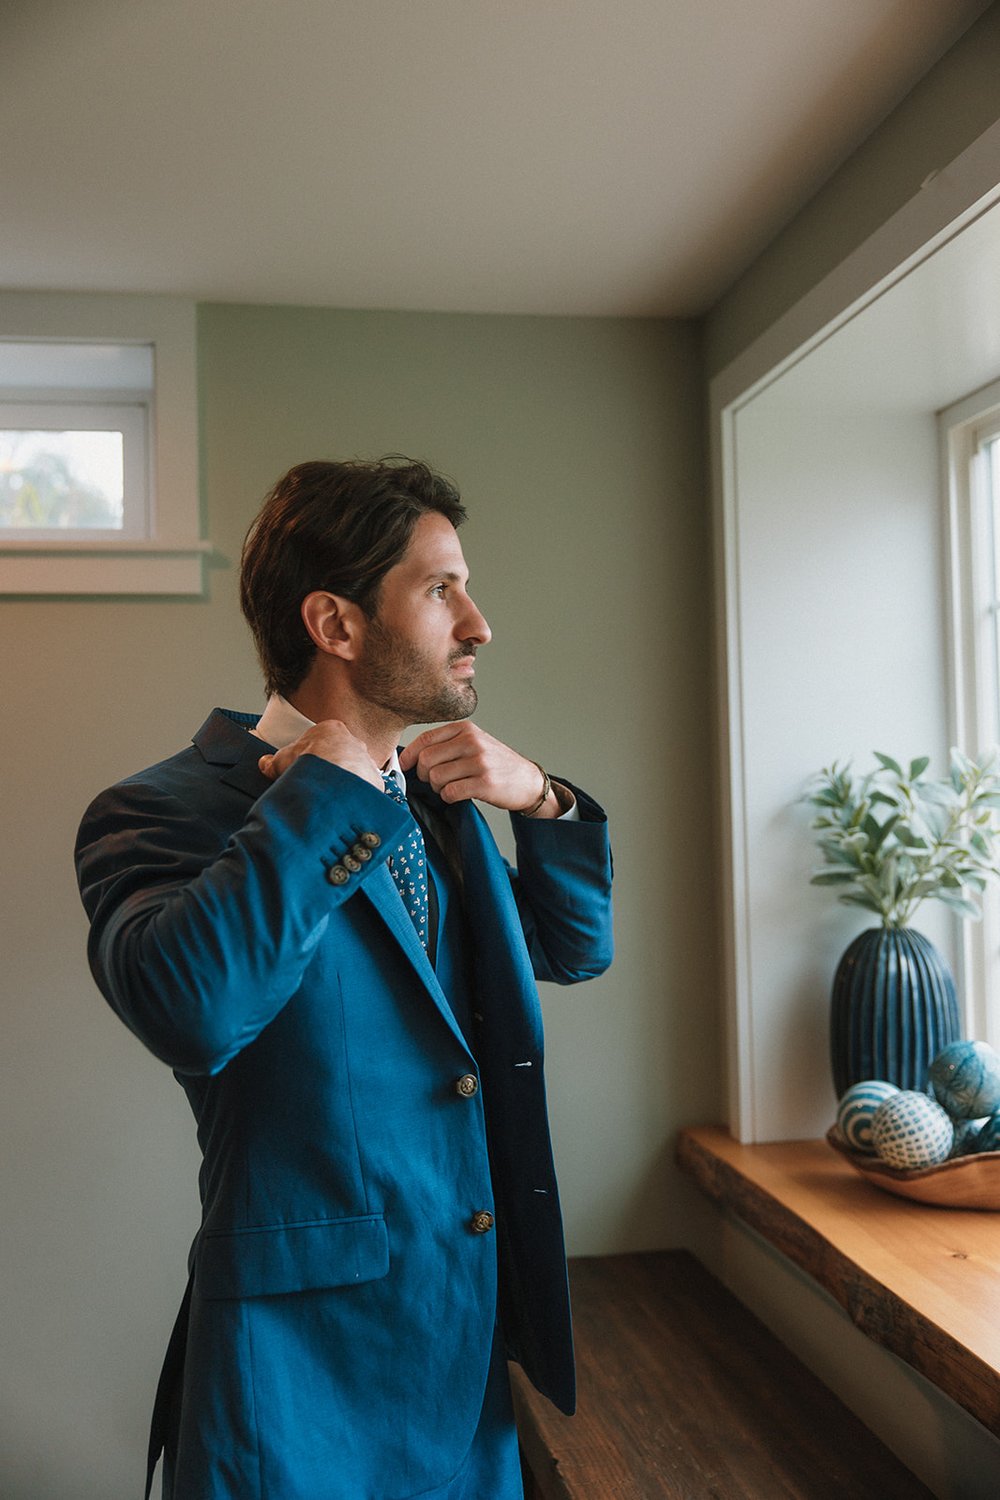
x=409 y=866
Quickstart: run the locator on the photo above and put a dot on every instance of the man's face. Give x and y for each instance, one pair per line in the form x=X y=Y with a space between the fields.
x=417 y=660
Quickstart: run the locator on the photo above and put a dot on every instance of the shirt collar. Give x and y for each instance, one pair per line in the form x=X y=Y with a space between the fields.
x=281 y=724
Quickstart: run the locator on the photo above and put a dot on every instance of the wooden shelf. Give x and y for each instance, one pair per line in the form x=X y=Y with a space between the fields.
x=923 y=1282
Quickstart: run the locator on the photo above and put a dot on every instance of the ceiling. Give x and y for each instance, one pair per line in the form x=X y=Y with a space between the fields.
x=511 y=156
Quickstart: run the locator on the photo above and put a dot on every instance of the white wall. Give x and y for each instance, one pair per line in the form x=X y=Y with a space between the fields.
x=841 y=624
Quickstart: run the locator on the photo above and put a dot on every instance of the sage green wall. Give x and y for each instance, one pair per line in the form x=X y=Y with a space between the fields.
x=577 y=444
x=950 y=106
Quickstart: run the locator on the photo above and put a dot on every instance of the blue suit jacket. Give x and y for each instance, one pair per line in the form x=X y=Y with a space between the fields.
x=342 y=1308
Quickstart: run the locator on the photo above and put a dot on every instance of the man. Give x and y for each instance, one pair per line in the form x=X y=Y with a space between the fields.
x=343 y=981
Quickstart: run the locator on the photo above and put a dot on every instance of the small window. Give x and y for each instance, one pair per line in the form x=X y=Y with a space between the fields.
x=98 y=446
x=74 y=440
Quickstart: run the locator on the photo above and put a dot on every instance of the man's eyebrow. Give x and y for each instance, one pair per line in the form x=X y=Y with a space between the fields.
x=446 y=575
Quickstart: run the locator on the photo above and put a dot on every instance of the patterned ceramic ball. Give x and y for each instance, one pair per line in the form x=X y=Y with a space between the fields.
x=856 y=1109
x=965 y=1078
x=988 y=1139
x=966 y=1137
x=910 y=1130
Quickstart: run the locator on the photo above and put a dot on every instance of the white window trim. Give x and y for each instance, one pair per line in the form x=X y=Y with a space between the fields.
x=961 y=428
x=171 y=559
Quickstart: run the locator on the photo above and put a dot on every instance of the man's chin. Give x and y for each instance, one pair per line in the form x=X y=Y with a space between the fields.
x=454 y=706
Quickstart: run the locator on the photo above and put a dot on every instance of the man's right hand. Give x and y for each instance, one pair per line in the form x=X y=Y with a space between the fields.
x=329 y=740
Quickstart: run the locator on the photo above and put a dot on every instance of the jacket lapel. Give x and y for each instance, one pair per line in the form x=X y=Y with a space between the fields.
x=500 y=955
x=444 y=822
x=380 y=889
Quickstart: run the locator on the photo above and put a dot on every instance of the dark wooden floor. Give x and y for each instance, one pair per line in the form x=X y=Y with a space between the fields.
x=684 y=1394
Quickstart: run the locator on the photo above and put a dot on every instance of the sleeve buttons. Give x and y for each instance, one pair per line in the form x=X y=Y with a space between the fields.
x=358 y=855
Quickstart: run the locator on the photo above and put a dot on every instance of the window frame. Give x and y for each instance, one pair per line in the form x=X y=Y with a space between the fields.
x=170 y=558
x=963 y=428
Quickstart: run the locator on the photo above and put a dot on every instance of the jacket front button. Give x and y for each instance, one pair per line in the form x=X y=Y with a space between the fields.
x=467 y=1086
x=337 y=875
x=481 y=1222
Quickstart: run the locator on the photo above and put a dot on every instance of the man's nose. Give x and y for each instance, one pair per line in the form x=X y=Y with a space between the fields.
x=473 y=626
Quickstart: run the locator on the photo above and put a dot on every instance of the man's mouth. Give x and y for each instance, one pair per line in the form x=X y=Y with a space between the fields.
x=464 y=659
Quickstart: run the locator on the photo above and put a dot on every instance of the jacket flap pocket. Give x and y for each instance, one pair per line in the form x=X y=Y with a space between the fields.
x=279 y=1258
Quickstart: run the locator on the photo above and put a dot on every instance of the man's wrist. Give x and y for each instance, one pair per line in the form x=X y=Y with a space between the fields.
x=556 y=801
x=533 y=809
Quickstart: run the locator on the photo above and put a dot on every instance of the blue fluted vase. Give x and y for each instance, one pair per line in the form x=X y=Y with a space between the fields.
x=894 y=1008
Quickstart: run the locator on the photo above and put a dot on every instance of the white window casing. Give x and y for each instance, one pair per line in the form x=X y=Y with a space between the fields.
x=128 y=364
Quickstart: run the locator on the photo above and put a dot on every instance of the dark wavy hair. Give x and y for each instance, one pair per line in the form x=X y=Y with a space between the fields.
x=333 y=526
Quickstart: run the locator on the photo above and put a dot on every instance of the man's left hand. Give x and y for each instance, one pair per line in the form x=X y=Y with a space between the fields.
x=461 y=761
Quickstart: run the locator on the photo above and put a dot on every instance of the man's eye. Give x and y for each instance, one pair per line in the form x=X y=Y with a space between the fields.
x=438 y=591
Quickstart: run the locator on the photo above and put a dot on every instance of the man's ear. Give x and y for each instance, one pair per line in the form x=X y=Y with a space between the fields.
x=335 y=624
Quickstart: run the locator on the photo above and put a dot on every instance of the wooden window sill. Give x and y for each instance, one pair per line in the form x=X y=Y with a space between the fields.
x=924 y=1282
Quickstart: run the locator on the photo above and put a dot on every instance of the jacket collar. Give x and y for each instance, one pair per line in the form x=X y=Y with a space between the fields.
x=223 y=740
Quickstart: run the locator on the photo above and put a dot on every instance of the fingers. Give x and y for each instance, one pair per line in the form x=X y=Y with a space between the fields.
x=330 y=741
x=411 y=753
x=464 y=789
x=461 y=761
x=436 y=749
x=273 y=765
x=445 y=777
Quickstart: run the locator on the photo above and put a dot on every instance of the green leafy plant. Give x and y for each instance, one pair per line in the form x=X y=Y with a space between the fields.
x=895 y=838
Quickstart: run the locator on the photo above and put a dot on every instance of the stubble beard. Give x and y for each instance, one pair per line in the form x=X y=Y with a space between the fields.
x=398 y=678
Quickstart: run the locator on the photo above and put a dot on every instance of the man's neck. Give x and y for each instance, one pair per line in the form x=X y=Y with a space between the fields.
x=379 y=732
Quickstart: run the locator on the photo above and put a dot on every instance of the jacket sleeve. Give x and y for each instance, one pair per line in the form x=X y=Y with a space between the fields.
x=562 y=886
x=198 y=939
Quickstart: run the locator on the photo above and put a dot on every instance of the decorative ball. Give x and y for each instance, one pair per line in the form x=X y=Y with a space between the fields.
x=988 y=1138
x=910 y=1130
x=966 y=1137
x=856 y=1109
x=965 y=1078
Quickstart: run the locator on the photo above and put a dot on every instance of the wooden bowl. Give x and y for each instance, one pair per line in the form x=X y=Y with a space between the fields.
x=964 y=1182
